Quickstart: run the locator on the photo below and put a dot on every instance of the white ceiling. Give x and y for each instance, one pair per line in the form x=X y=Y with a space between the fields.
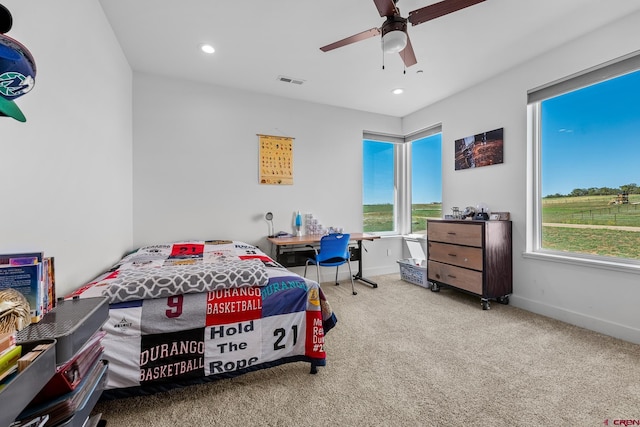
x=258 y=40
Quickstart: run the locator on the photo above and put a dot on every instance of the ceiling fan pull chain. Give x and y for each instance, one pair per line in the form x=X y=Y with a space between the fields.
x=404 y=64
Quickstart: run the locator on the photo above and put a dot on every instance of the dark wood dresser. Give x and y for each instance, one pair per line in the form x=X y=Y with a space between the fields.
x=473 y=256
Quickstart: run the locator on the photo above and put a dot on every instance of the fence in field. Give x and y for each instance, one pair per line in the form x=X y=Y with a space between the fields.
x=624 y=214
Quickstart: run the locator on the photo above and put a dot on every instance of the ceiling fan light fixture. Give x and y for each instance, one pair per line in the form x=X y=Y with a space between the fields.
x=394 y=41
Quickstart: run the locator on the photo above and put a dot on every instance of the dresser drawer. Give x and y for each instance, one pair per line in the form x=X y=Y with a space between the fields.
x=463 y=256
x=469 y=280
x=456 y=233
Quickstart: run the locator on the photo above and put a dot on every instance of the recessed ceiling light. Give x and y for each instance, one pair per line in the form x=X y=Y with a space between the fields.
x=397 y=91
x=207 y=48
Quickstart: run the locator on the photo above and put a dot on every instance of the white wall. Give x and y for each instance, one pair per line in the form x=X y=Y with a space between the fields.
x=602 y=300
x=66 y=172
x=196 y=165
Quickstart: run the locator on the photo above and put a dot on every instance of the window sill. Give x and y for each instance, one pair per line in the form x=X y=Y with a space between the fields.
x=415 y=236
x=586 y=261
x=389 y=236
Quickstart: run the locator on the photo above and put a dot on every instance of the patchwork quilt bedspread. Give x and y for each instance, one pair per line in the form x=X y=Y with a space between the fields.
x=201 y=309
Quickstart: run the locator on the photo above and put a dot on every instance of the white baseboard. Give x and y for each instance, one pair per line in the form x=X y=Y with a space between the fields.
x=385 y=269
x=602 y=326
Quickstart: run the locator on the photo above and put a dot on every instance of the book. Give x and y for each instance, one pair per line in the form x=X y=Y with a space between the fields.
x=63 y=407
x=7 y=345
x=8 y=373
x=9 y=360
x=50 y=283
x=26 y=258
x=7 y=341
x=24 y=273
x=28 y=358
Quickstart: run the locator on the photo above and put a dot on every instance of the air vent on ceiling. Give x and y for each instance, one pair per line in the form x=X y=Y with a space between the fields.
x=290 y=80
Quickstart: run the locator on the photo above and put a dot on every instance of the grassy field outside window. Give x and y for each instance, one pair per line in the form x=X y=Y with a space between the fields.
x=593 y=225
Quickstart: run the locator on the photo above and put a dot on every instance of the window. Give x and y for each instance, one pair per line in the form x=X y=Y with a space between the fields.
x=379 y=186
x=585 y=166
x=426 y=181
x=402 y=181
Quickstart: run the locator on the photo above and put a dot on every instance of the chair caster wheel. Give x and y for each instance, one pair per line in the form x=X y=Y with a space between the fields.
x=355 y=293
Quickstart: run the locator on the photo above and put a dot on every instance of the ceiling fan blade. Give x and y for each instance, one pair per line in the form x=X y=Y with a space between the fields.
x=386 y=7
x=437 y=10
x=408 y=55
x=354 y=38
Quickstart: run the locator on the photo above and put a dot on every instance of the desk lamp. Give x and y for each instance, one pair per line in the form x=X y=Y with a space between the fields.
x=269 y=217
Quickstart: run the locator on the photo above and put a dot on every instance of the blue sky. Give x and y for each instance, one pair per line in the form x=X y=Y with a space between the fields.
x=591 y=137
x=426 y=170
x=426 y=167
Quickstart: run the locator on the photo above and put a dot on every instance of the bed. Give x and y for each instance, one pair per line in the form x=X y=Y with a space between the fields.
x=195 y=311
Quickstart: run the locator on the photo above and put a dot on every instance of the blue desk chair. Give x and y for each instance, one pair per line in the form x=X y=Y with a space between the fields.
x=334 y=251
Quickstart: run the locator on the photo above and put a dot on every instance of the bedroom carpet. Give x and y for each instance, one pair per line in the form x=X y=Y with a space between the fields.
x=402 y=355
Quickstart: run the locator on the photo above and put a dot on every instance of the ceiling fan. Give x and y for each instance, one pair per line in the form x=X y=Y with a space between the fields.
x=394 y=28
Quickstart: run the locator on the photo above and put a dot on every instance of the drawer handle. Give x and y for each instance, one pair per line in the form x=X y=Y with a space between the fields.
x=451 y=232
x=452 y=276
x=454 y=255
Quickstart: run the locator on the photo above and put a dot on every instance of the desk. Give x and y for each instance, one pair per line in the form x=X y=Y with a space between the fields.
x=297 y=257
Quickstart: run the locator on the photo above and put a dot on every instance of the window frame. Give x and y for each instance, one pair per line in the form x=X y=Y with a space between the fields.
x=402 y=175
x=533 y=246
